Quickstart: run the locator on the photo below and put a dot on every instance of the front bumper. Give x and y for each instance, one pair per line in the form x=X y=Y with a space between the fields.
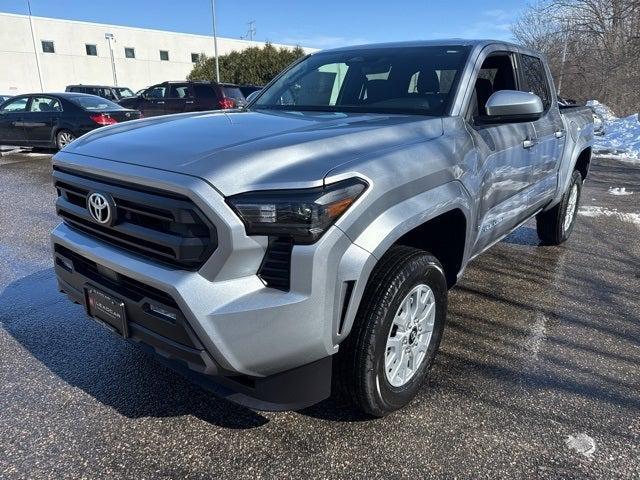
x=179 y=347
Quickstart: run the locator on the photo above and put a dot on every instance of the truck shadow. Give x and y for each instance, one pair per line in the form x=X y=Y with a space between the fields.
x=116 y=373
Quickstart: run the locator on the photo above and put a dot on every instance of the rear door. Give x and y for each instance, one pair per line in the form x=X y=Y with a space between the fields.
x=549 y=130
x=179 y=98
x=11 y=121
x=41 y=117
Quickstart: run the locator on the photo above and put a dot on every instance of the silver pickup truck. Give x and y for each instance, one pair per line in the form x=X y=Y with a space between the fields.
x=306 y=243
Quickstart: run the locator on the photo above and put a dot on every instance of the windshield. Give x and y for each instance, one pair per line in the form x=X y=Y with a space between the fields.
x=418 y=80
x=124 y=92
x=95 y=104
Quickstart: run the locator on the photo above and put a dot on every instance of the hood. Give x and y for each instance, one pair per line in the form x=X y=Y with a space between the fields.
x=253 y=150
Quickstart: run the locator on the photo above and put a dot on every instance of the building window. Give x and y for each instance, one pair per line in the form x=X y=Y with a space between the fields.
x=129 y=52
x=195 y=57
x=164 y=55
x=91 y=50
x=47 y=47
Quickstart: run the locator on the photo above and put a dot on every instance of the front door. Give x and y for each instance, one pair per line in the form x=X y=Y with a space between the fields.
x=504 y=155
x=11 y=121
x=154 y=101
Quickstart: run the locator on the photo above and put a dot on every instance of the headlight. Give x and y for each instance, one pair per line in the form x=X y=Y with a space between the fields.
x=303 y=215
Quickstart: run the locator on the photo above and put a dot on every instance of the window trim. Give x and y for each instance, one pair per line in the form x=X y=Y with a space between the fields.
x=133 y=50
x=163 y=59
x=86 y=45
x=53 y=46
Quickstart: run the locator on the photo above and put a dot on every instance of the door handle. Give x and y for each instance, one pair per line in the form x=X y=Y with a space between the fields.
x=160 y=103
x=528 y=143
x=559 y=133
x=189 y=102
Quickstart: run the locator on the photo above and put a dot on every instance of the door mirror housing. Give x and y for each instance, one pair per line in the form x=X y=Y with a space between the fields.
x=512 y=106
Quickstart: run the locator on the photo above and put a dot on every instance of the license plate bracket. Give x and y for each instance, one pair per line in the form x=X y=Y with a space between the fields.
x=107 y=309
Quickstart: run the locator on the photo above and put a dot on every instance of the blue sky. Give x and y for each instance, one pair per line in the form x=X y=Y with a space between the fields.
x=312 y=23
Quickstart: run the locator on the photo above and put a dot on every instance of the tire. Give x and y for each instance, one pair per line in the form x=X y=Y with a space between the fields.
x=361 y=371
x=64 y=138
x=555 y=226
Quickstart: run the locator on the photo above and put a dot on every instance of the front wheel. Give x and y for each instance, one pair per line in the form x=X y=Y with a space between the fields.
x=555 y=225
x=64 y=138
x=396 y=334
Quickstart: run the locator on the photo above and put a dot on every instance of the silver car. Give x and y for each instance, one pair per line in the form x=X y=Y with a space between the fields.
x=308 y=241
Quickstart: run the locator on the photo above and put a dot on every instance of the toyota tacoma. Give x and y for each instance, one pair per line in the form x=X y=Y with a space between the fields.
x=306 y=243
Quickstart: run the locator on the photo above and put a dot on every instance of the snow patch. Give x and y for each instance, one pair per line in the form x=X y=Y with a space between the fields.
x=621 y=139
x=592 y=211
x=582 y=444
x=619 y=191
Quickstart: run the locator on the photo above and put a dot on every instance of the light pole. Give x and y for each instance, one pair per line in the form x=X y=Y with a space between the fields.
x=35 y=48
x=215 y=39
x=110 y=38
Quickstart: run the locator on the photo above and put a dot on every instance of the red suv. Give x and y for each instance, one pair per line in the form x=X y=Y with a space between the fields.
x=177 y=97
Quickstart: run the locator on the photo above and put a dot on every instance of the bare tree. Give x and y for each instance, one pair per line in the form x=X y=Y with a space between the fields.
x=593 y=47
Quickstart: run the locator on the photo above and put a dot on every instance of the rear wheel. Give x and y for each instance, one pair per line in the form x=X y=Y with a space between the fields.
x=64 y=138
x=554 y=226
x=396 y=334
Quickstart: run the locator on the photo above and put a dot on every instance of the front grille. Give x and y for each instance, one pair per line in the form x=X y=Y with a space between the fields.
x=275 y=270
x=160 y=225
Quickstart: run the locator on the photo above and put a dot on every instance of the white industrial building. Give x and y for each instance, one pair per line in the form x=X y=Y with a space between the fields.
x=65 y=52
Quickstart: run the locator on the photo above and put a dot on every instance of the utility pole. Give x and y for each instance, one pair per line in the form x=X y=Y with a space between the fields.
x=110 y=38
x=564 y=56
x=35 y=48
x=252 y=30
x=215 y=39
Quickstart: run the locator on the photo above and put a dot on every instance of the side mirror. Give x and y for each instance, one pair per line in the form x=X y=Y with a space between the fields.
x=511 y=106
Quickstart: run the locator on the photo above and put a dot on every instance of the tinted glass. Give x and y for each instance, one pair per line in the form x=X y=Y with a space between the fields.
x=233 y=92
x=124 y=92
x=94 y=104
x=179 y=91
x=91 y=50
x=129 y=53
x=195 y=57
x=204 y=91
x=45 y=104
x=535 y=79
x=18 y=105
x=417 y=80
x=156 y=92
x=164 y=55
x=47 y=47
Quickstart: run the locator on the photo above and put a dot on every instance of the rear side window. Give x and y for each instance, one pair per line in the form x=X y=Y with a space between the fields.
x=45 y=104
x=534 y=79
x=204 y=91
x=179 y=91
x=233 y=92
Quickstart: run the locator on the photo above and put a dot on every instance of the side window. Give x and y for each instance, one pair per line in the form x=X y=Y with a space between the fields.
x=18 y=105
x=204 y=91
x=179 y=91
x=156 y=92
x=496 y=73
x=534 y=78
x=45 y=104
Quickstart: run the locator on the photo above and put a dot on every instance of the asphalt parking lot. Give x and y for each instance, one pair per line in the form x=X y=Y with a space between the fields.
x=538 y=375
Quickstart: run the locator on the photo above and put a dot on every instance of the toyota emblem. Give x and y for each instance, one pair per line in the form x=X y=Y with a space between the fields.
x=100 y=208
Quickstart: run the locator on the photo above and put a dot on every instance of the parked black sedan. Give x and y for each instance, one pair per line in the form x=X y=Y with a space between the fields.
x=56 y=119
